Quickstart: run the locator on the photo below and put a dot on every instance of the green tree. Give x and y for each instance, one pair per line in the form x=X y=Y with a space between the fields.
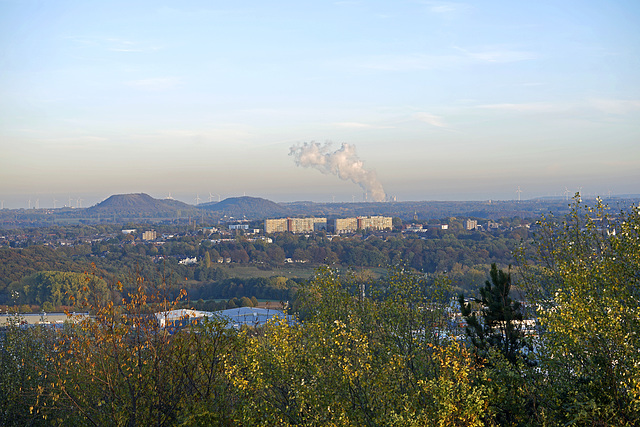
x=59 y=288
x=121 y=367
x=25 y=383
x=499 y=324
x=588 y=293
x=359 y=357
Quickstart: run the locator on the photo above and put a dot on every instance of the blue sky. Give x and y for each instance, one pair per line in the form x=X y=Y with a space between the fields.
x=443 y=100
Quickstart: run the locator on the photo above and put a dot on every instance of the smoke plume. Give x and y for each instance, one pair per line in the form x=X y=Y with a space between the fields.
x=343 y=163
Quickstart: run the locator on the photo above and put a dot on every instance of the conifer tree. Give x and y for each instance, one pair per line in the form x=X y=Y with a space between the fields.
x=496 y=325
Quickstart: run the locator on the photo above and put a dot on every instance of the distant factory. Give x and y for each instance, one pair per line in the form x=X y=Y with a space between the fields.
x=338 y=225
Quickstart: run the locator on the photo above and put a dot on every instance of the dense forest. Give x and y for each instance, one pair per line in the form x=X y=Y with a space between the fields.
x=358 y=350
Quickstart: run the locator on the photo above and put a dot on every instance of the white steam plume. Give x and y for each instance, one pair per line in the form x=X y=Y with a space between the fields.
x=343 y=162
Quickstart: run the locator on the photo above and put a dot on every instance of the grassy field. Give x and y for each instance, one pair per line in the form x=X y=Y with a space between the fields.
x=245 y=272
x=291 y=271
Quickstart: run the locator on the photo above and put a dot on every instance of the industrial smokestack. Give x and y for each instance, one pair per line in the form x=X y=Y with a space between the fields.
x=343 y=163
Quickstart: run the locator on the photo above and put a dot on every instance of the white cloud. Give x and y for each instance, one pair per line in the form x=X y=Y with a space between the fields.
x=446 y=7
x=119 y=45
x=155 y=84
x=358 y=125
x=406 y=62
x=114 y=44
x=421 y=61
x=113 y=49
x=530 y=107
x=498 y=55
x=607 y=106
x=615 y=106
x=431 y=119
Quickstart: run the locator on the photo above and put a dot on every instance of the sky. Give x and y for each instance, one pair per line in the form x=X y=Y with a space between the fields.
x=204 y=100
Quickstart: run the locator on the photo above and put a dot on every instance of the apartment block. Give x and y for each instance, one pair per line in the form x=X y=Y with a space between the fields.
x=347 y=225
x=149 y=235
x=375 y=223
x=294 y=225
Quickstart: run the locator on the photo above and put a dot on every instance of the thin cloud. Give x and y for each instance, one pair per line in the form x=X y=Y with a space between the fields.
x=445 y=7
x=358 y=125
x=409 y=62
x=155 y=84
x=74 y=139
x=615 y=106
x=607 y=106
x=122 y=49
x=431 y=119
x=114 y=44
x=530 y=107
x=420 y=61
x=497 y=55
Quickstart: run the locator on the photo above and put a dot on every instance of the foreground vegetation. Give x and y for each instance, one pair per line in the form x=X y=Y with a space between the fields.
x=363 y=351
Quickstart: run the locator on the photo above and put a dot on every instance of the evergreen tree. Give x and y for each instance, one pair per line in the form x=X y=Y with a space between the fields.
x=497 y=325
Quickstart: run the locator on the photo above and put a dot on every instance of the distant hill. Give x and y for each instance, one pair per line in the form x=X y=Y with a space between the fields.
x=122 y=208
x=431 y=209
x=245 y=206
x=139 y=204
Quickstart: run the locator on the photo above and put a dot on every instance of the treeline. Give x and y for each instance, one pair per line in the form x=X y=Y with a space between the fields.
x=276 y=288
x=464 y=255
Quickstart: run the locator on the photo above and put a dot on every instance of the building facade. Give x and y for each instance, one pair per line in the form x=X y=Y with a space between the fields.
x=149 y=235
x=337 y=225
x=375 y=223
x=294 y=225
x=471 y=224
x=344 y=225
x=349 y=225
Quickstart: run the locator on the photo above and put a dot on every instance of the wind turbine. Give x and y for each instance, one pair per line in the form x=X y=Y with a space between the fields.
x=78 y=202
x=54 y=202
x=197 y=199
x=519 y=191
x=566 y=193
x=37 y=203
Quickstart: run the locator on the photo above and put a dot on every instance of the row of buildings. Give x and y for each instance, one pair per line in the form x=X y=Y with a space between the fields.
x=337 y=225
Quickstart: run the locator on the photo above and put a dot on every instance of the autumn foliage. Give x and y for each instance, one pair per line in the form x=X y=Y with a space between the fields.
x=360 y=351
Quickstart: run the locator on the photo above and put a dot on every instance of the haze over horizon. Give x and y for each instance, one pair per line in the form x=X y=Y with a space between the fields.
x=437 y=100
